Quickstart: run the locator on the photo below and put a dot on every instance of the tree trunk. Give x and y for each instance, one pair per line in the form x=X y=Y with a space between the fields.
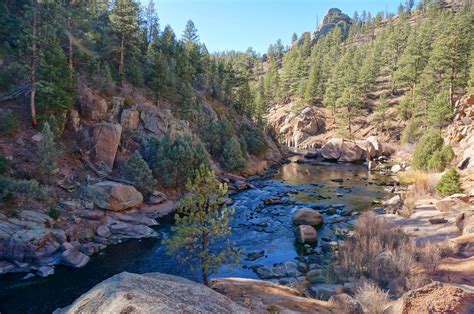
x=70 y=47
x=205 y=273
x=122 y=58
x=33 y=72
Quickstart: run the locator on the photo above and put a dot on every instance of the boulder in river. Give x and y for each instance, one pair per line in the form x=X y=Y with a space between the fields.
x=74 y=258
x=113 y=196
x=151 y=293
x=306 y=234
x=307 y=216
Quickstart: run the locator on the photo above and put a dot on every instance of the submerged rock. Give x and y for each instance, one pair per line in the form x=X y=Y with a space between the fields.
x=151 y=293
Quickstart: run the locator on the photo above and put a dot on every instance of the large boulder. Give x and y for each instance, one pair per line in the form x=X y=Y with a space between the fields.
x=332 y=150
x=435 y=297
x=72 y=257
x=307 y=216
x=306 y=234
x=113 y=196
x=339 y=149
x=151 y=293
x=351 y=152
x=264 y=297
x=344 y=303
x=91 y=106
x=105 y=142
x=130 y=119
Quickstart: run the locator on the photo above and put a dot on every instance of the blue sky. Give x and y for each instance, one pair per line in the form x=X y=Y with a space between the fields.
x=239 y=24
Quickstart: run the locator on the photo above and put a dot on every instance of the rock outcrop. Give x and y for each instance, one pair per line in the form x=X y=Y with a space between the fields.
x=105 y=142
x=461 y=131
x=333 y=18
x=435 y=297
x=263 y=297
x=151 y=293
x=343 y=150
x=113 y=196
x=296 y=129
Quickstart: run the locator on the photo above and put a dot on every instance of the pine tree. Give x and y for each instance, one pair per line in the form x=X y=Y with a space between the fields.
x=439 y=112
x=190 y=33
x=232 y=156
x=152 y=22
x=136 y=170
x=202 y=218
x=47 y=153
x=124 y=20
x=451 y=54
x=381 y=116
x=55 y=85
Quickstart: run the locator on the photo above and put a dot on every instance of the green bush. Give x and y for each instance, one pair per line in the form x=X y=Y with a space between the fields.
x=137 y=171
x=232 y=157
x=254 y=139
x=29 y=187
x=449 y=183
x=429 y=143
x=412 y=132
x=3 y=165
x=54 y=213
x=440 y=159
x=174 y=160
x=217 y=135
x=8 y=123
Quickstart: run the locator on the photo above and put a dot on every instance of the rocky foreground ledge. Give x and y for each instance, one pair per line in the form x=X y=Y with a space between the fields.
x=161 y=293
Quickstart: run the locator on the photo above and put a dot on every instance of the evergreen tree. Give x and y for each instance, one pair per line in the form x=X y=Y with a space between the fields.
x=136 y=170
x=451 y=54
x=152 y=22
x=190 y=33
x=201 y=219
x=124 y=20
x=439 y=112
x=47 y=153
x=55 y=85
x=381 y=117
x=232 y=157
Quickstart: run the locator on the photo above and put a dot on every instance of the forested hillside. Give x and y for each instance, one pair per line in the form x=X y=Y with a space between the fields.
x=418 y=62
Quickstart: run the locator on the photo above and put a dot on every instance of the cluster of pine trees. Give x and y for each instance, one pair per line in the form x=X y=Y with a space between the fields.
x=47 y=46
x=425 y=53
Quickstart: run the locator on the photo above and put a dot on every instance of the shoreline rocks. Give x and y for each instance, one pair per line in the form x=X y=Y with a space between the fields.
x=113 y=196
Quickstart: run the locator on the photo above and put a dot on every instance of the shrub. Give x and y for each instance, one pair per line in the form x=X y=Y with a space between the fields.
x=372 y=299
x=137 y=171
x=412 y=132
x=449 y=183
x=440 y=158
x=377 y=250
x=429 y=143
x=8 y=123
x=47 y=153
x=29 y=187
x=54 y=213
x=254 y=139
x=232 y=157
x=174 y=160
x=3 y=165
x=217 y=135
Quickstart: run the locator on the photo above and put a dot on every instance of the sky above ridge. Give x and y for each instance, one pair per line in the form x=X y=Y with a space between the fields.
x=239 y=24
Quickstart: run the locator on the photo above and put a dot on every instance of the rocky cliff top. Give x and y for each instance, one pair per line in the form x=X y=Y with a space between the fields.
x=334 y=17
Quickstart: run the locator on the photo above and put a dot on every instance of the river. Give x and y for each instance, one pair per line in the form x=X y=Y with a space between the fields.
x=256 y=228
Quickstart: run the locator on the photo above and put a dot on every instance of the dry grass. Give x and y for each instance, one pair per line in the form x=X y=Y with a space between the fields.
x=421 y=185
x=371 y=251
x=381 y=252
x=372 y=299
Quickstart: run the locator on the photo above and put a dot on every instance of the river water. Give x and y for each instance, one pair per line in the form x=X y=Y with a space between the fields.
x=256 y=228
